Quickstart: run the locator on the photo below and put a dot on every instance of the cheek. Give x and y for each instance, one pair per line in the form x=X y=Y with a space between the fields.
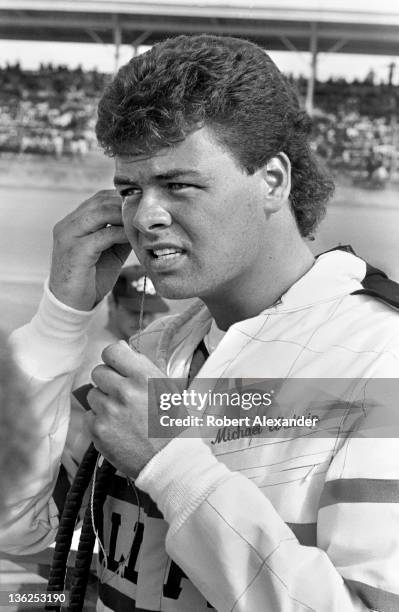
x=238 y=218
x=128 y=215
x=243 y=233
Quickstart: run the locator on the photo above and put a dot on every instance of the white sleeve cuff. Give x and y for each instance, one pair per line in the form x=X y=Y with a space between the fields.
x=180 y=477
x=53 y=342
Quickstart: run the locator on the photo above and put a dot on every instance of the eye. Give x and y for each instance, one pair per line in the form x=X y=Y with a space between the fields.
x=179 y=186
x=130 y=191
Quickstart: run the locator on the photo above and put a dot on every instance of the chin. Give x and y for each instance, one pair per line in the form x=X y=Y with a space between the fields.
x=178 y=294
x=175 y=291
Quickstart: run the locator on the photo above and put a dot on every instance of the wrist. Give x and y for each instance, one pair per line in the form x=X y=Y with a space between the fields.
x=54 y=341
x=73 y=296
x=180 y=477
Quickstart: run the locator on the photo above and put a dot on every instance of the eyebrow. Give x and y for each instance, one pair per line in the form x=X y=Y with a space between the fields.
x=171 y=174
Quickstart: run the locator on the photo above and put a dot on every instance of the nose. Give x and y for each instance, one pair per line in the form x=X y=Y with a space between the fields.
x=151 y=214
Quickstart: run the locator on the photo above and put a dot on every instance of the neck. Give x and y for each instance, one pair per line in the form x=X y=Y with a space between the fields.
x=260 y=287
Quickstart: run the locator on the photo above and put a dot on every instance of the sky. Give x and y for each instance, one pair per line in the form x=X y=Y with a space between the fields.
x=31 y=54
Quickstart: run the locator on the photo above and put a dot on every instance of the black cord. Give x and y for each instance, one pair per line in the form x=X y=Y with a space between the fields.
x=73 y=502
x=88 y=537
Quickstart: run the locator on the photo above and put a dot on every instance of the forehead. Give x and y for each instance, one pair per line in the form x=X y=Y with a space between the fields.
x=198 y=153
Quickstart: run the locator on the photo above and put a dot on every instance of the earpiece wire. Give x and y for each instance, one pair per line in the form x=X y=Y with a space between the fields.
x=141 y=317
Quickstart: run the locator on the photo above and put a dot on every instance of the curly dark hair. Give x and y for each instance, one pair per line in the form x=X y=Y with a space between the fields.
x=228 y=84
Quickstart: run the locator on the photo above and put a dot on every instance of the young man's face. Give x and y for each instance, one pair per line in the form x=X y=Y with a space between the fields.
x=194 y=218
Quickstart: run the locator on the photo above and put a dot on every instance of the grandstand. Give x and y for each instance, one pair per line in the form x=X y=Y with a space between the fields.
x=314 y=25
x=52 y=111
x=340 y=25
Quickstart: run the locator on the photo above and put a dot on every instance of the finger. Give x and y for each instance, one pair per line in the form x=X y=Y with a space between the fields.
x=125 y=360
x=96 y=243
x=114 y=234
x=111 y=261
x=106 y=379
x=102 y=208
x=88 y=421
x=95 y=429
x=93 y=219
x=99 y=199
x=96 y=400
x=104 y=411
x=121 y=251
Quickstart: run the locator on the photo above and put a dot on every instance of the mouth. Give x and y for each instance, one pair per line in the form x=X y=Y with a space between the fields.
x=164 y=257
x=166 y=254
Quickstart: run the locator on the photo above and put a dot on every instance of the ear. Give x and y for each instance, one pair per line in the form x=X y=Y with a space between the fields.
x=277 y=176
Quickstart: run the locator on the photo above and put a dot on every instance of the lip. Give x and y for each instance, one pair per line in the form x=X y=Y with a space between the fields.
x=164 y=262
x=161 y=245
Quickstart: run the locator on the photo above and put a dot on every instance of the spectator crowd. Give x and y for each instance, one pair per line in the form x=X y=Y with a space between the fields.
x=356 y=128
x=53 y=110
x=49 y=111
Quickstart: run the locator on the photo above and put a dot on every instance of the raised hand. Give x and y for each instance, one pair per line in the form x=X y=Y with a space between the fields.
x=89 y=248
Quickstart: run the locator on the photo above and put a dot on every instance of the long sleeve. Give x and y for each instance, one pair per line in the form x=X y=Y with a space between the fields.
x=48 y=350
x=234 y=546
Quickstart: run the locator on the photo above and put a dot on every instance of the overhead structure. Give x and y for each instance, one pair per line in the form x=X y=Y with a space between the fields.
x=309 y=25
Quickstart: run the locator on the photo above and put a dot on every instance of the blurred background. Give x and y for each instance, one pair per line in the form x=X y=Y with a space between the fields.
x=56 y=57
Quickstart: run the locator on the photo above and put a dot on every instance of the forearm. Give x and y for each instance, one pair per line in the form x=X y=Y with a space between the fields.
x=47 y=350
x=228 y=538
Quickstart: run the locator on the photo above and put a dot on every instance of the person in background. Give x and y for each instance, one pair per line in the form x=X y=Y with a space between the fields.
x=123 y=317
x=131 y=292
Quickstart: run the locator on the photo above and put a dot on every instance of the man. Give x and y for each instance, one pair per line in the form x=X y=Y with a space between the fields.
x=131 y=291
x=219 y=191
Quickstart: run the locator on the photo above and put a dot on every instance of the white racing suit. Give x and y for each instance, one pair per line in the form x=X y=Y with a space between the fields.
x=252 y=524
